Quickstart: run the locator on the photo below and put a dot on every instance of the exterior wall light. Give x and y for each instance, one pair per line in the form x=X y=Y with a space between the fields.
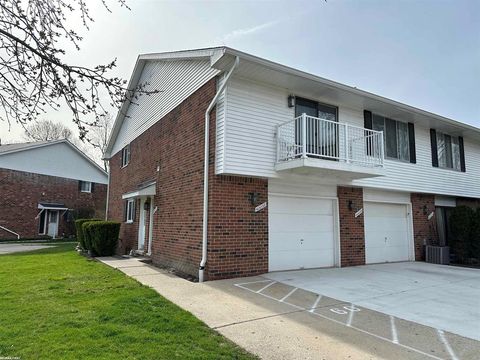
x=291 y=101
x=253 y=197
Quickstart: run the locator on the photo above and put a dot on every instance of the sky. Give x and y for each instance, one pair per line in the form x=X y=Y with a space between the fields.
x=425 y=53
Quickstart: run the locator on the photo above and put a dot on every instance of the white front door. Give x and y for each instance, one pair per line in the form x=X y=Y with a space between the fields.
x=300 y=232
x=141 y=226
x=52 y=223
x=386 y=233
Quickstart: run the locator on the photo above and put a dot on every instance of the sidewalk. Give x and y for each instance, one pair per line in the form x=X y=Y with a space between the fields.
x=269 y=329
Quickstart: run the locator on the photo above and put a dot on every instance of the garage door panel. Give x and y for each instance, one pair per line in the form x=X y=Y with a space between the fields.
x=311 y=240
x=301 y=232
x=296 y=222
x=386 y=210
x=294 y=205
x=386 y=233
x=386 y=224
x=285 y=260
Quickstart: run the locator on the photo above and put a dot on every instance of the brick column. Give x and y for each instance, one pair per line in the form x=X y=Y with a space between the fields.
x=352 y=233
x=424 y=230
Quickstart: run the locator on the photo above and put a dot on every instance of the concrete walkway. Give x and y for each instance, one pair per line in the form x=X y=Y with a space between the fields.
x=275 y=321
x=9 y=248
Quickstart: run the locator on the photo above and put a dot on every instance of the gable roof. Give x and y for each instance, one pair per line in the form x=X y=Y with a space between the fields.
x=8 y=149
x=262 y=70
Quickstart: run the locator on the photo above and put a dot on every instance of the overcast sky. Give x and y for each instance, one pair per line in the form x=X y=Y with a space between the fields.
x=423 y=53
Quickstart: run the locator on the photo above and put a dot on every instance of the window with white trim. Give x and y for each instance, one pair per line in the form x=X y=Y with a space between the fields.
x=130 y=211
x=86 y=186
x=125 y=155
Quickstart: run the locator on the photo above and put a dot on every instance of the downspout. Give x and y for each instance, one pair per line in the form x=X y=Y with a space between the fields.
x=201 y=270
x=108 y=194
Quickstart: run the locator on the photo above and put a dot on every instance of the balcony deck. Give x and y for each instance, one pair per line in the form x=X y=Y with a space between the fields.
x=308 y=144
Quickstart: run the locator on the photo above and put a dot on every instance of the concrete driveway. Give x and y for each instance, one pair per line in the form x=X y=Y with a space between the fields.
x=9 y=248
x=275 y=320
x=443 y=297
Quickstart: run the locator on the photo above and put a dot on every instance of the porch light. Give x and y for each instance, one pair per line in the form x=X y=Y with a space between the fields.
x=350 y=205
x=253 y=197
x=291 y=101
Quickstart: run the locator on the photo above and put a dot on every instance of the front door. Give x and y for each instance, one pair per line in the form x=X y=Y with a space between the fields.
x=52 y=223
x=141 y=225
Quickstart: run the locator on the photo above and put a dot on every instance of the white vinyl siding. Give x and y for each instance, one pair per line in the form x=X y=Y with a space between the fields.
x=54 y=160
x=255 y=109
x=176 y=80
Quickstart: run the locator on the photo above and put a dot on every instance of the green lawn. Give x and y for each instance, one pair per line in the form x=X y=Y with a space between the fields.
x=56 y=304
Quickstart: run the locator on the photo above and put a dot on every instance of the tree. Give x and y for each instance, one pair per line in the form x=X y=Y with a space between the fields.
x=100 y=134
x=33 y=74
x=47 y=130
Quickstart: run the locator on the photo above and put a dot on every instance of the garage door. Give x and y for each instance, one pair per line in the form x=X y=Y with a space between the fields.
x=301 y=233
x=386 y=233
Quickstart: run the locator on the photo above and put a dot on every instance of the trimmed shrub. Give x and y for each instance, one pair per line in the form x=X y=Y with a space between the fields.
x=79 y=232
x=102 y=236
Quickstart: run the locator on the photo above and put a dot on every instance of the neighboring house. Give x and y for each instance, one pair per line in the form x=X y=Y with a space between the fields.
x=44 y=186
x=303 y=172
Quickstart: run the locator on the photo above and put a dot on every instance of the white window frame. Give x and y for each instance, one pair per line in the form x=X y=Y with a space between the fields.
x=125 y=155
x=88 y=188
x=130 y=211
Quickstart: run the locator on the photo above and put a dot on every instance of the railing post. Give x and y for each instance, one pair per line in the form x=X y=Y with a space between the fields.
x=382 y=149
x=304 y=136
x=347 y=155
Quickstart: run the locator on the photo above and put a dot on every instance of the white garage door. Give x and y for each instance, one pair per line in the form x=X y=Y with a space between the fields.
x=386 y=233
x=301 y=233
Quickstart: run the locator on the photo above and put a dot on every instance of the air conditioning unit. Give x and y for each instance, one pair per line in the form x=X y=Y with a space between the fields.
x=437 y=254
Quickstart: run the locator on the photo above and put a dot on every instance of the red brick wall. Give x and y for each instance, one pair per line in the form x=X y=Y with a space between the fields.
x=424 y=230
x=20 y=193
x=352 y=234
x=238 y=237
x=174 y=145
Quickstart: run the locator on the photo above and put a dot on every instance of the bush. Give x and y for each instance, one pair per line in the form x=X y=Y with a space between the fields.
x=465 y=234
x=79 y=232
x=102 y=236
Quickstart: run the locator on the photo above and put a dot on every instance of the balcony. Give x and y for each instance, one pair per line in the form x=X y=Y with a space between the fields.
x=309 y=144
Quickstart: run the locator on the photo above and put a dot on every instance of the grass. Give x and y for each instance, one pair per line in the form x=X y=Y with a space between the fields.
x=56 y=304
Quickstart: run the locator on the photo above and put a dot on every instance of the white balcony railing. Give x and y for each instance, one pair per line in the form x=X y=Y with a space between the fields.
x=312 y=137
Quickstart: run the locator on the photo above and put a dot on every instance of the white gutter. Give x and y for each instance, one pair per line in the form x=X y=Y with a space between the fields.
x=201 y=270
x=108 y=192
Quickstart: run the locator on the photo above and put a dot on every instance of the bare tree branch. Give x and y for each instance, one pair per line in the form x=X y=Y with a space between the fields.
x=33 y=76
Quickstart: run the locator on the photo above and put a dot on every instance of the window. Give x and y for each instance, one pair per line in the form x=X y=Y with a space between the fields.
x=126 y=155
x=321 y=136
x=85 y=186
x=448 y=151
x=130 y=211
x=396 y=137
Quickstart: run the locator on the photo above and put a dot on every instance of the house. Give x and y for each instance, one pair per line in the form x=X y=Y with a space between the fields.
x=44 y=186
x=301 y=172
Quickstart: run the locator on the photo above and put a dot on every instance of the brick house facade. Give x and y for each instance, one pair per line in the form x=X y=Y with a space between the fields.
x=359 y=199
x=21 y=192
x=238 y=236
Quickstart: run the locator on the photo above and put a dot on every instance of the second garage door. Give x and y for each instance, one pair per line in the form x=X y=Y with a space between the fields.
x=301 y=233
x=386 y=233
